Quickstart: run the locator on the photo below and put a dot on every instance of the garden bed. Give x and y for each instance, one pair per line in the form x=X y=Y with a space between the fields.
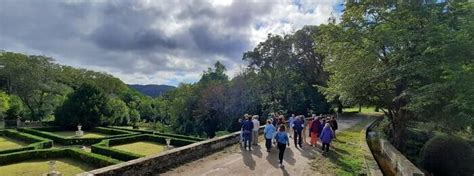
x=14 y=141
x=34 y=162
x=146 y=131
x=133 y=147
x=64 y=137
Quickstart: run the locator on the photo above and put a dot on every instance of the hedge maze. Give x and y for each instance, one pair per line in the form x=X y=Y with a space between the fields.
x=38 y=145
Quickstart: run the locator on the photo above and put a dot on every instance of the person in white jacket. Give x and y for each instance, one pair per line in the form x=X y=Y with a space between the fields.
x=256 y=126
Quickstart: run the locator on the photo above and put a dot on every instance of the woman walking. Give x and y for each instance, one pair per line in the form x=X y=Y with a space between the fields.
x=269 y=132
x=326 y=137
x=282 y=140
x=314 y=131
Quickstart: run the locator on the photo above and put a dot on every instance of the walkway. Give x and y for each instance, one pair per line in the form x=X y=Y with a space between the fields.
x=234 y=161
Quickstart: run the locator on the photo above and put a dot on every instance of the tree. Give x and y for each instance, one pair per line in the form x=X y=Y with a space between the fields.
x=118 y=112
x=4 y=104
x=86 y=106
x=388 y=54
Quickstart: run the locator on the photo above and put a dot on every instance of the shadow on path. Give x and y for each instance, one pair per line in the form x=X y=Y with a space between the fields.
x=248 y=159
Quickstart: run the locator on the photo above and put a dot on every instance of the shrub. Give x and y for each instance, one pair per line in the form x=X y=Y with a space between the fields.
x=35 y=141
x=104 y=148
x=44 y=132
x=448 y=155
x=178 y=136
x=90 y=158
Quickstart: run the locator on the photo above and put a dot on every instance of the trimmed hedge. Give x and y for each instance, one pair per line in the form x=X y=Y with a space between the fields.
x=104 y=148
x=90 y=158
x=35 y=141
x=196 y=139
x=48 y=133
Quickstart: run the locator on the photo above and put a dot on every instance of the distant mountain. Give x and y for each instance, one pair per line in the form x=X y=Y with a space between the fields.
x=152 y=90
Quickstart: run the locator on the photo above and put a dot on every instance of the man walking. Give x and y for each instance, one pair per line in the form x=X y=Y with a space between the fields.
x=298 y=128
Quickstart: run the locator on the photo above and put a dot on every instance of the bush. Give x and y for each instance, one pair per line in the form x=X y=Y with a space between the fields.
x=104 y=148
x=448 y=155
x=47 y=133
x=177 y=136
x=35 y=141
x=90 y=158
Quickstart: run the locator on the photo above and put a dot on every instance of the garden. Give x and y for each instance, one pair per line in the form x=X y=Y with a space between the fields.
x=37 y=151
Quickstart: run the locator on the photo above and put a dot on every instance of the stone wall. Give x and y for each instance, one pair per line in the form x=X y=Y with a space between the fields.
x=373 y=168
x=151 y=165
x=399 y=162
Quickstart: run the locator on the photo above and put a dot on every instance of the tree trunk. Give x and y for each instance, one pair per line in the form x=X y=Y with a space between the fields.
x=400 y=115
x=360 y=107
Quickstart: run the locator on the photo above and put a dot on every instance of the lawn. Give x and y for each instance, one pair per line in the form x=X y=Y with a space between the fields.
x=346 y=155
x=39 y=167
x=142 y=148
x=364 y=109
x=9 y=143
x=87 y=134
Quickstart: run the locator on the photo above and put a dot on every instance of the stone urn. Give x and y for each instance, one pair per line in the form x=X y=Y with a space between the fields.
x=168 y=142
x=52 y=169
x=79 y=132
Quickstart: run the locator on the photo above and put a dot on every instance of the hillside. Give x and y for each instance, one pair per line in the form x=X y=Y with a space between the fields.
x=152 y=90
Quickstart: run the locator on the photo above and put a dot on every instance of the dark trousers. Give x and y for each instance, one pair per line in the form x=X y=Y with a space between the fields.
x=326 y=147
x=282 y=148
x=268 y=143
x=297 y=137
x=247 y=138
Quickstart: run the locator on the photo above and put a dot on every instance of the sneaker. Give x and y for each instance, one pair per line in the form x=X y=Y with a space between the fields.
x=280 y=165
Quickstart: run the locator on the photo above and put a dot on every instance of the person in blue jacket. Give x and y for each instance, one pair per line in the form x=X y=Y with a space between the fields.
x=282 y=140
x=269 y=132
x=298 y=126
x=326 y=137
x=247 y=127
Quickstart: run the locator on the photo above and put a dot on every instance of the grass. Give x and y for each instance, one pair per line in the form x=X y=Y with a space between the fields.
x=9 y=143
x=364 y=109
x=142 y=148
x=346 y=155
x=71 y=134
x=40 y=167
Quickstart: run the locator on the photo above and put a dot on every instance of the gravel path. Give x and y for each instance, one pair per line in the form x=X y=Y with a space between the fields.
x=234 y=161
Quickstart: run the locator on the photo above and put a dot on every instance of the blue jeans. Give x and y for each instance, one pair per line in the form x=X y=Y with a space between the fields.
x=247 y=138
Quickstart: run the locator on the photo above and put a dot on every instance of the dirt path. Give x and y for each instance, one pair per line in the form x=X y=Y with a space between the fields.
x=234 y=161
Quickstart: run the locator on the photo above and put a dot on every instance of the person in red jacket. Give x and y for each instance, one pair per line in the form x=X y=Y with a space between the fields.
x=314 y=131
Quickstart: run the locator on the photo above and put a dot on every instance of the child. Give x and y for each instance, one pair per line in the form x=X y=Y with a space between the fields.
x=326 y=137
x=269 y=132
x=282 y=140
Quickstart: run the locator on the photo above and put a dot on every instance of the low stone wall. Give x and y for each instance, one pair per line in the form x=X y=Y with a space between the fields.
x=151 y=165
x=399 y=162
x=373 y=168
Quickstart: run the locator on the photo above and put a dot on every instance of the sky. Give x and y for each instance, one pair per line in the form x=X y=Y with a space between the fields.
x=152 y=41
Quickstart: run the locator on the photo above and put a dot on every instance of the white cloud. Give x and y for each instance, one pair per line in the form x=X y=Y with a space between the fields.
x=152 y=42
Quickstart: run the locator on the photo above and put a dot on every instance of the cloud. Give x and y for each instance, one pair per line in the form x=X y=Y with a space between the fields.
x=159 y=42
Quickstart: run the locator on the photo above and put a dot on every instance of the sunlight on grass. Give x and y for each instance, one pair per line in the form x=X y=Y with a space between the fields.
x=346 y=156
x=142 y=148
x=71 y=134
x=39 y=167
x=9 y=143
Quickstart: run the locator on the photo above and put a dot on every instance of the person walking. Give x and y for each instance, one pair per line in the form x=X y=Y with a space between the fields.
x=298 y=128
x=314 y=131
x=241 y=122
x=256 y=126
x=333 y=122
x=282 y=141
x=247 y=127
x=326 y=137
x=290 y=124
x=268 y=133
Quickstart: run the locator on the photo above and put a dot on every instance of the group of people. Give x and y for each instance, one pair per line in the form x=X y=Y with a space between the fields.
x=321 y=127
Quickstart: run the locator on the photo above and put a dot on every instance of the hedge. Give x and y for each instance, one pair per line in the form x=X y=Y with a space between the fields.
x=35 y=141
x=104 y=148
x=47 y=133
x=196 y=139
x=95 y=160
